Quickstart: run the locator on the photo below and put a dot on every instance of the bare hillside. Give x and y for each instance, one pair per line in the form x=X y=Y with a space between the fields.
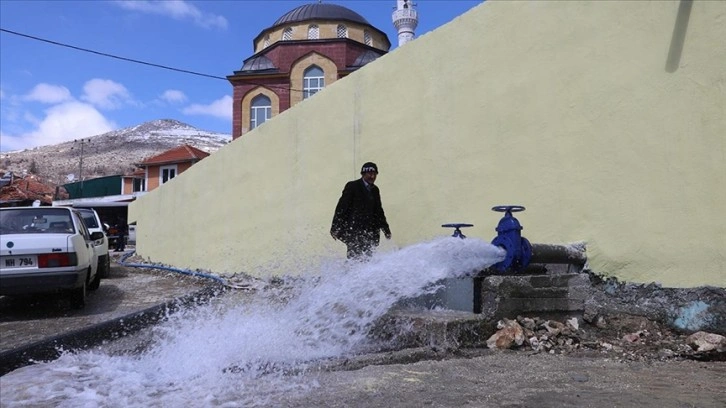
x=110 y=153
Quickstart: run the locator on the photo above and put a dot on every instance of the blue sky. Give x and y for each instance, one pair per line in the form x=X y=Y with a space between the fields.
x=50 y=94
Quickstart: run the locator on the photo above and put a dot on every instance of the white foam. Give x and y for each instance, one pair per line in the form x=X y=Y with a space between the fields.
x=244 y=353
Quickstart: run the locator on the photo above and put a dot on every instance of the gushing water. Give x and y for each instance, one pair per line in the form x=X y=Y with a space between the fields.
x=247 y=352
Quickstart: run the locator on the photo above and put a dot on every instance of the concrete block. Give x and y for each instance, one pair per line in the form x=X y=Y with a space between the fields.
x=509 y=296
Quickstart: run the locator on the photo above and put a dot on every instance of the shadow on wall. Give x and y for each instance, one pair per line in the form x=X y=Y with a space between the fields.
x=679 y=36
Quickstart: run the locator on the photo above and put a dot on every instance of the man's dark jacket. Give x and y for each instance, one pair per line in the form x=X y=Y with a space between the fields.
x=359 y=214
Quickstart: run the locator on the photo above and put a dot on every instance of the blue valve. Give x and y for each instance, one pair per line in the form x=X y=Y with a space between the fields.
x=457 y=231
x=509 y=237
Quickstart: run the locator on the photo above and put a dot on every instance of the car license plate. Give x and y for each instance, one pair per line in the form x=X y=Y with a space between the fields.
x=23 y=261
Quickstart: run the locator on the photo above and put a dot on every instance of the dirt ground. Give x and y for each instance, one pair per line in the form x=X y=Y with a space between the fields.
x=522 y=379
x=618 y=361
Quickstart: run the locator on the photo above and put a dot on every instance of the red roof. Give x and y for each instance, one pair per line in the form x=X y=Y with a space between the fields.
x=29 y=189
x=183 y=153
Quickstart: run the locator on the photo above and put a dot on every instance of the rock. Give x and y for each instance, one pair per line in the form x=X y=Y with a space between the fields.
x=600 y=322
x=573 y=324
x=553 y=327
x=509 y=334
x=635 y=337
x=534 y=343
x=527 y=323
x=589 y=314
x=703 y=342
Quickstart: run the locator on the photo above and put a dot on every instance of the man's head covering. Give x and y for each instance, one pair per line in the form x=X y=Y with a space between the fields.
x=369 y=167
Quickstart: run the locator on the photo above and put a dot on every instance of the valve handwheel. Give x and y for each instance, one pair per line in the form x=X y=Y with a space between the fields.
x=457 y=231
x=508 y=208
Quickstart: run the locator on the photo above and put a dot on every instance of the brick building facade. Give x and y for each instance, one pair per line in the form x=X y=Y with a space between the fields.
x=306 y=49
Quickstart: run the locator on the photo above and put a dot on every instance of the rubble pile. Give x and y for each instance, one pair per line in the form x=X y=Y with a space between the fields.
x=621 y=337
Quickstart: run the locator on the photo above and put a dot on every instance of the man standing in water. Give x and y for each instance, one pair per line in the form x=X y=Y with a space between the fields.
x=359 y=216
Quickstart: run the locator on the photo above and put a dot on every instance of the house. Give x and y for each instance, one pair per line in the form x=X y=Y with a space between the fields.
x=161 y=168
x=24 y=191
x=111 y=195
x=134 y=182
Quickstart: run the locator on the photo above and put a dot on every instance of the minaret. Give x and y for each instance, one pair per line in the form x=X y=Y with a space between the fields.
x=405 y=19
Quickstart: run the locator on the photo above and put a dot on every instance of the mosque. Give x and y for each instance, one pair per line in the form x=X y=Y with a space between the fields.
x=304 y=50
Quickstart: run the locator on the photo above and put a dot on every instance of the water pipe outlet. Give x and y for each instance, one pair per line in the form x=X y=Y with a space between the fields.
x=509 y=237
x=457 y=231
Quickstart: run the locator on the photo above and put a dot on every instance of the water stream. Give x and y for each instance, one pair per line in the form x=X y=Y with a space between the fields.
x=245 y=353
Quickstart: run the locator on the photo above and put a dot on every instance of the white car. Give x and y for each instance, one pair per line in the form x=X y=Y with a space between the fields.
x=47 y=249
x=93 y=223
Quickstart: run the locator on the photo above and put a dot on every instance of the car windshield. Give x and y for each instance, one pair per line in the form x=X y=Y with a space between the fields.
x=89 y=219
x=36 y=220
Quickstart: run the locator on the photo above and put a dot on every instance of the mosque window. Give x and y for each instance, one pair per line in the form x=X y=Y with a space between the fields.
x=342 y=31
x=313 y=81
x=267 y=41
x=260 y=110
x=313 y=32
x=367 y=38
x=287 y=34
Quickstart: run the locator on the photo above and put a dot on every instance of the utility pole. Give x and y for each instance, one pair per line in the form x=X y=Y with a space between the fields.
x=80 y=170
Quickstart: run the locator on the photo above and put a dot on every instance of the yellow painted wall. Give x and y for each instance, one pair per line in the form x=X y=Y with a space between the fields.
x=326 y=30
x=567 y=108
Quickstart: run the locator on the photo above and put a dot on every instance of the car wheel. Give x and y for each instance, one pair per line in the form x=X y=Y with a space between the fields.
x=78 y=297
x=104 y=267
x=96 y=282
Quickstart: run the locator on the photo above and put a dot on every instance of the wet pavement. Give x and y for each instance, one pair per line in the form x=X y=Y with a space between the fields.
x=33 y=328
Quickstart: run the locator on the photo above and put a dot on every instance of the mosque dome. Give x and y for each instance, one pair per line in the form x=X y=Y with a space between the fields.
x=320 y=11
x=320 y=22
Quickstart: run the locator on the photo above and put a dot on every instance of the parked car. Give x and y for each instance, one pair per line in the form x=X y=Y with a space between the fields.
x=45 y=250
x=93 y=223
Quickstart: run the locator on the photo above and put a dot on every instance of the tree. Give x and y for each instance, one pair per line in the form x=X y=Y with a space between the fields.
x=33 y=168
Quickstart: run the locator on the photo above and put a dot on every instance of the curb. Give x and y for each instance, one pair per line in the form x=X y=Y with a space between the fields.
x=50 y=348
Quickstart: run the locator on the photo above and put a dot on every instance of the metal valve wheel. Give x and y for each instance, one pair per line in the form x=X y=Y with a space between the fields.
x=508 y=208
x=457 y=231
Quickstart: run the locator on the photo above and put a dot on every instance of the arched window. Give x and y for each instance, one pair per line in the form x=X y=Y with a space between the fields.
x=313 y=81
x=260 y=110
x=342 y=31
x=313 y=32
x=367 y=38
x=287 y=34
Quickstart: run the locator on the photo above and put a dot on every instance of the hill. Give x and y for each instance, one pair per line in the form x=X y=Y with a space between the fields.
x=110 y=153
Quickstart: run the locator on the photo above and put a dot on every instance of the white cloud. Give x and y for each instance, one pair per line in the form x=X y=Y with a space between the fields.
x=30 y=118
x=47 y=93
x=173 y=96
x=221 y=108
x=2 y=94
x=105 y=93
x=176 y=9
x=64 y=122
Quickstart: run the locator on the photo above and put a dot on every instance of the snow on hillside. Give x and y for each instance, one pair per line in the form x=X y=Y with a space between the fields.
x=111 y=153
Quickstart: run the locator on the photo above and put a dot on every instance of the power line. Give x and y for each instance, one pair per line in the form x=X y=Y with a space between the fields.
x=110 y=55
x=104 y=54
